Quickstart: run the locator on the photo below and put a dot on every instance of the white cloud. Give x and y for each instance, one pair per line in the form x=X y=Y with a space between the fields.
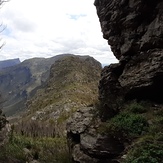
x=37 y=28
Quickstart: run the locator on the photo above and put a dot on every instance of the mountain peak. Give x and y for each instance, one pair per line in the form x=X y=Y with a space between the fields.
x=9 y=63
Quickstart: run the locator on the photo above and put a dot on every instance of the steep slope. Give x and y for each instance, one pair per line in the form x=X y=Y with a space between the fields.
x=72 y=84
x=17 y=83
x=128 y=127
x=9 y=63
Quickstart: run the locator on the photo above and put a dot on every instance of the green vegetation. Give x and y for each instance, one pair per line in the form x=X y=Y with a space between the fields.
x=71 y=81
x=135 y=107
x=149 y=146
x=45 y=150
x=128 y=125
x=146 y=150
x=125 y=125
x=40 y=133
x=140 y=125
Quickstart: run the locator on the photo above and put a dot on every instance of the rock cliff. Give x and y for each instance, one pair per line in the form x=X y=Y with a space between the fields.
x=123 y=132
x=135 y=33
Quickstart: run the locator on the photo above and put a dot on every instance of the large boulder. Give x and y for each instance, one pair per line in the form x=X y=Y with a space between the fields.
x=86 y=144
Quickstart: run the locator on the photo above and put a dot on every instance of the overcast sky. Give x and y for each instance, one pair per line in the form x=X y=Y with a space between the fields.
x=39 y=28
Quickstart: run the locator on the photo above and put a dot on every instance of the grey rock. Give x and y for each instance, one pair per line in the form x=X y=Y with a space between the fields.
x=86 y=143
x=80 y=156
x=134 y=31
x=83 y=118
x=130 y=26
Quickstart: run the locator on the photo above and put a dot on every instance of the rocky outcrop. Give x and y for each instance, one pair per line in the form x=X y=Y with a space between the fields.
x=130 y=26
x=86 y=143
x=134 y=31
x=110 y=91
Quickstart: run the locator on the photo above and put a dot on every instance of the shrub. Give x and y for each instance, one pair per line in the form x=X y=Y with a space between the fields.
x=47 y=150
x=145 y=151
x=157 y=125
x=135 y=107
x=129 y=125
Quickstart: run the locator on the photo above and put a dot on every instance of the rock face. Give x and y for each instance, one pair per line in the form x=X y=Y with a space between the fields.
x=86 y=144
x=134 y=31
x=130 y=26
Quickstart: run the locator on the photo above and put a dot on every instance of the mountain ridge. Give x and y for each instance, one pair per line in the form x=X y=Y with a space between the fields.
x=9 y=63
x=17 y=83
x=72 y=84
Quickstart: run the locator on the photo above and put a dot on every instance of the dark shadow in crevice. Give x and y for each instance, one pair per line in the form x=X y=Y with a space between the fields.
x=153 y=92
x=75 y=138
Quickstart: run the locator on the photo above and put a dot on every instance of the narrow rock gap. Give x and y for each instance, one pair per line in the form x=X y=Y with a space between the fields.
x=74 y=137
x=153 y=93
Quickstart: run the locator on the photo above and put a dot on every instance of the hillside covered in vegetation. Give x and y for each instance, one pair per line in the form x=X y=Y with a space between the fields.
x=39 y=133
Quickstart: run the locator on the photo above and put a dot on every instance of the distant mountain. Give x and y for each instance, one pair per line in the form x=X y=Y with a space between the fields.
x=19 y=82
x=72 y=83
x=9 y=63
x=68 y=76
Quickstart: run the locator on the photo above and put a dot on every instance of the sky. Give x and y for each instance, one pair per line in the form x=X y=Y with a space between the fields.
x=39 y=28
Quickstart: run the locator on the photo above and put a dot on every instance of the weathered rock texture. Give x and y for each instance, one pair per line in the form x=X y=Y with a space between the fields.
x=86 y=144
x=134 y=31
